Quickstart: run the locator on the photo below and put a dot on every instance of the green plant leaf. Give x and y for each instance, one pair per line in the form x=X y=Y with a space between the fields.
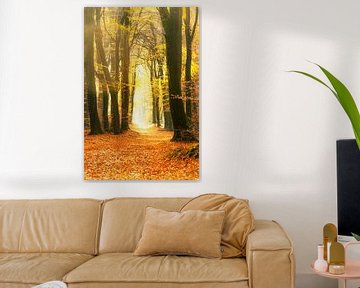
x=346 y=100
x=357 y=137
x=344 y=97
x=316 y=79
x=356 y=236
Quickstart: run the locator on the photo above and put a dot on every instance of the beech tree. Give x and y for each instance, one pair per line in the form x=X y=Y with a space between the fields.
x=155 y=60
x=105 y=96
x=171 y=19
x=95 y=127
x=125 y=67
x=132 y=93
x=189 y=36
x=113 y=81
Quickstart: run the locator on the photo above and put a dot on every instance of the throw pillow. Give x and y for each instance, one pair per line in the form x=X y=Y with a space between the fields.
x=193 y=232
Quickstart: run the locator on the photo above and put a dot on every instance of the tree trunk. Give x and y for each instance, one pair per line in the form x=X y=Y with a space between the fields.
x=189 y=36
x=125 y=67
x=157 y=104
x=188 y=65
x=115 y=71
x=157 y=94
x=132 y=95
x=172 y=22
x=153 y=91
x=114 y=88
x=168 y=124
x=105 y=97
x=112 y=83
x=95 y=127
x=160 y=61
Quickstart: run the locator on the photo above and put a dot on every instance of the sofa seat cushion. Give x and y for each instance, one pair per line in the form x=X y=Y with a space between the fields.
x=36 y=268
x=127 y=268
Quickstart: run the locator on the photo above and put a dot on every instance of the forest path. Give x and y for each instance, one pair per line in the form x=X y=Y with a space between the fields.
x=139 y=154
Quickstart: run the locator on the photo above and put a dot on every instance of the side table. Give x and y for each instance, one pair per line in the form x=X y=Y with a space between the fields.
x=352 y=268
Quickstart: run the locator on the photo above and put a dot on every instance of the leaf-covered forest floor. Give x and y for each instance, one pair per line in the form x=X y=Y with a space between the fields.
x=138 y=155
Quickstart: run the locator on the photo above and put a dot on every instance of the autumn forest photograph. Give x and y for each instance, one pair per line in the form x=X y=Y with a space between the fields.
x=141 y=93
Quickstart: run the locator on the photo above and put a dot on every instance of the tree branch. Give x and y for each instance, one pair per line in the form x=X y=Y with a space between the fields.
x=136 y=27
x=106 y=30
x=195 y=23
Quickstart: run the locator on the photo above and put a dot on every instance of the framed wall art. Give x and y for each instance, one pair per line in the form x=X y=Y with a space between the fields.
x=141 y=93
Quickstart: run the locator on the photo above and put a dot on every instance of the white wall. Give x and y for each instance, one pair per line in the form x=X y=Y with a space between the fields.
x=266 y=135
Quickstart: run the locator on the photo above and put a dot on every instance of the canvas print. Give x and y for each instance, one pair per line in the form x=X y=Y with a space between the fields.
x=141 y=93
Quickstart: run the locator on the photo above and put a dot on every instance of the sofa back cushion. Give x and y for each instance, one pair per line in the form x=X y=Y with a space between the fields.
x=123 y=220
x=66 y=226
x=238 y=224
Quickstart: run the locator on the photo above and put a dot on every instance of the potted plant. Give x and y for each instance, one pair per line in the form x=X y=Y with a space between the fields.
x=347 y=102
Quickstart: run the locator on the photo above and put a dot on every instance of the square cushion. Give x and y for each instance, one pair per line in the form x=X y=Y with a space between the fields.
x=36 y=268
x=127 y=268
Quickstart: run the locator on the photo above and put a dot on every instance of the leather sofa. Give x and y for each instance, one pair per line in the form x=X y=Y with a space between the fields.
x=89 y=243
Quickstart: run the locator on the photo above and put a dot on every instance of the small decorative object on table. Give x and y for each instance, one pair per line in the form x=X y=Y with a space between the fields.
x=320 y=264
x=337 y=259
x=329 y=236
x=51 y=284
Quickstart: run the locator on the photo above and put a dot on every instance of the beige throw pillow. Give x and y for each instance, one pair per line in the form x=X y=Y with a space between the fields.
x=194 y=232
x=239 y=220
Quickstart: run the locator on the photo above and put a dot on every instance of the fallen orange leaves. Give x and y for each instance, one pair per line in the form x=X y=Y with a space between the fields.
x=137 y=156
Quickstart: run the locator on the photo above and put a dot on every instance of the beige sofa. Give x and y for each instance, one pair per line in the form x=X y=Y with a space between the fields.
x=89 y=243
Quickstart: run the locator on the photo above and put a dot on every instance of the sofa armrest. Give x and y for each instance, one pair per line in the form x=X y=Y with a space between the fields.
x=269 y=256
